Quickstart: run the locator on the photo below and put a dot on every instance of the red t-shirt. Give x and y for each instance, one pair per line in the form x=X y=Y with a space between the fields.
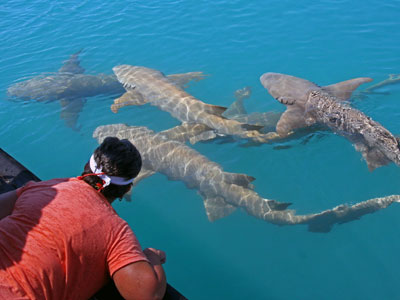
x=62 y=241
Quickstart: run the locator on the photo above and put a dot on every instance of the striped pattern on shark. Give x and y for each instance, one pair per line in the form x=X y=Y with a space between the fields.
x=145 y=85
x=309 y=104
x=223 y=192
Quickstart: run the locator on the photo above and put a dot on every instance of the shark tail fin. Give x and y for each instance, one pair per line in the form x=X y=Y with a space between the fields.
x=217 y=208
x=239 y=179
x=344 y=89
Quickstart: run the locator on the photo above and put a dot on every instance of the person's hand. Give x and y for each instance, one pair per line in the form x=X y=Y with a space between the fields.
x=156 y=257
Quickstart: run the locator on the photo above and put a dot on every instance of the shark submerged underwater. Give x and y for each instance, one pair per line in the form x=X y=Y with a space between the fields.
x=237 y=111
x=144 y=85
x=308 y=104
x=223 y=192
x=70 y=86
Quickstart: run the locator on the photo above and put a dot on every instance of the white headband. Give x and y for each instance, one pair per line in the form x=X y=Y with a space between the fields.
x=108 y=179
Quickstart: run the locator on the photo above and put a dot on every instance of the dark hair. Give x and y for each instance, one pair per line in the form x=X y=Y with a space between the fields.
x=116 y=158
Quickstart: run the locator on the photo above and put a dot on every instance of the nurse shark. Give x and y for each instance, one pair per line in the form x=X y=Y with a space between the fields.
x=223 y=192
x=308 y=104
x=70 y=86
x=145 y=85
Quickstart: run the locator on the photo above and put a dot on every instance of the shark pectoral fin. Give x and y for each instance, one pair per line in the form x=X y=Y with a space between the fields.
x=239 y=179
x=182 y=80
x=144 y=173
x=217 y=208
x=131 y=97
x=70 y=109
x=343 y=90
x=373 y=157
x=293 y=118
x=72 y=65
x=128 y=196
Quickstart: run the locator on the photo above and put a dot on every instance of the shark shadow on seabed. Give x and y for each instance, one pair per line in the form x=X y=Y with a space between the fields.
x=223 y=192
x=308 y=104
x=70 y=86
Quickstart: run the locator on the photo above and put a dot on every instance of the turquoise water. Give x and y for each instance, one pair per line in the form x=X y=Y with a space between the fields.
x=234 y=42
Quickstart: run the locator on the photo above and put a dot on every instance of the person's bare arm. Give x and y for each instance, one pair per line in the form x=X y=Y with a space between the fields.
x=142 y=280
x=7 y=202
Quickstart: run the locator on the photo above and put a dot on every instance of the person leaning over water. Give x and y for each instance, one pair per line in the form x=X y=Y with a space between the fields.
x=61 y=239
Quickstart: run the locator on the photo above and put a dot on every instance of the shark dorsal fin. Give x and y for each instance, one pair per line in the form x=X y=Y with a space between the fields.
x=343 y=90
x=215 y=109
x=239 y=179
x=183 y=80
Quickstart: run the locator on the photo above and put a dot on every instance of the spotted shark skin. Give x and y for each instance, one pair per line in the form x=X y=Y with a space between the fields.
x=223 y=192
x=145 y=85
x=309 y=104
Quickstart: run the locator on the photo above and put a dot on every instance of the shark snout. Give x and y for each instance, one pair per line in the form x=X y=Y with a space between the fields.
x=268 y=79
x=271 y=82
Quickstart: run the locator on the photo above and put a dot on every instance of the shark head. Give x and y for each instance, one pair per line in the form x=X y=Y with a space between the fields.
x=40 y=88
x=20 y=90
x=132 y=76
x=287 y=88
x=292 y=92
x=48 y=86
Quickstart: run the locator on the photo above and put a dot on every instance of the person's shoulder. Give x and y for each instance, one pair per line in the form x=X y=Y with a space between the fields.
x=34 y=184
x=67 y=181
x=52 y=181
